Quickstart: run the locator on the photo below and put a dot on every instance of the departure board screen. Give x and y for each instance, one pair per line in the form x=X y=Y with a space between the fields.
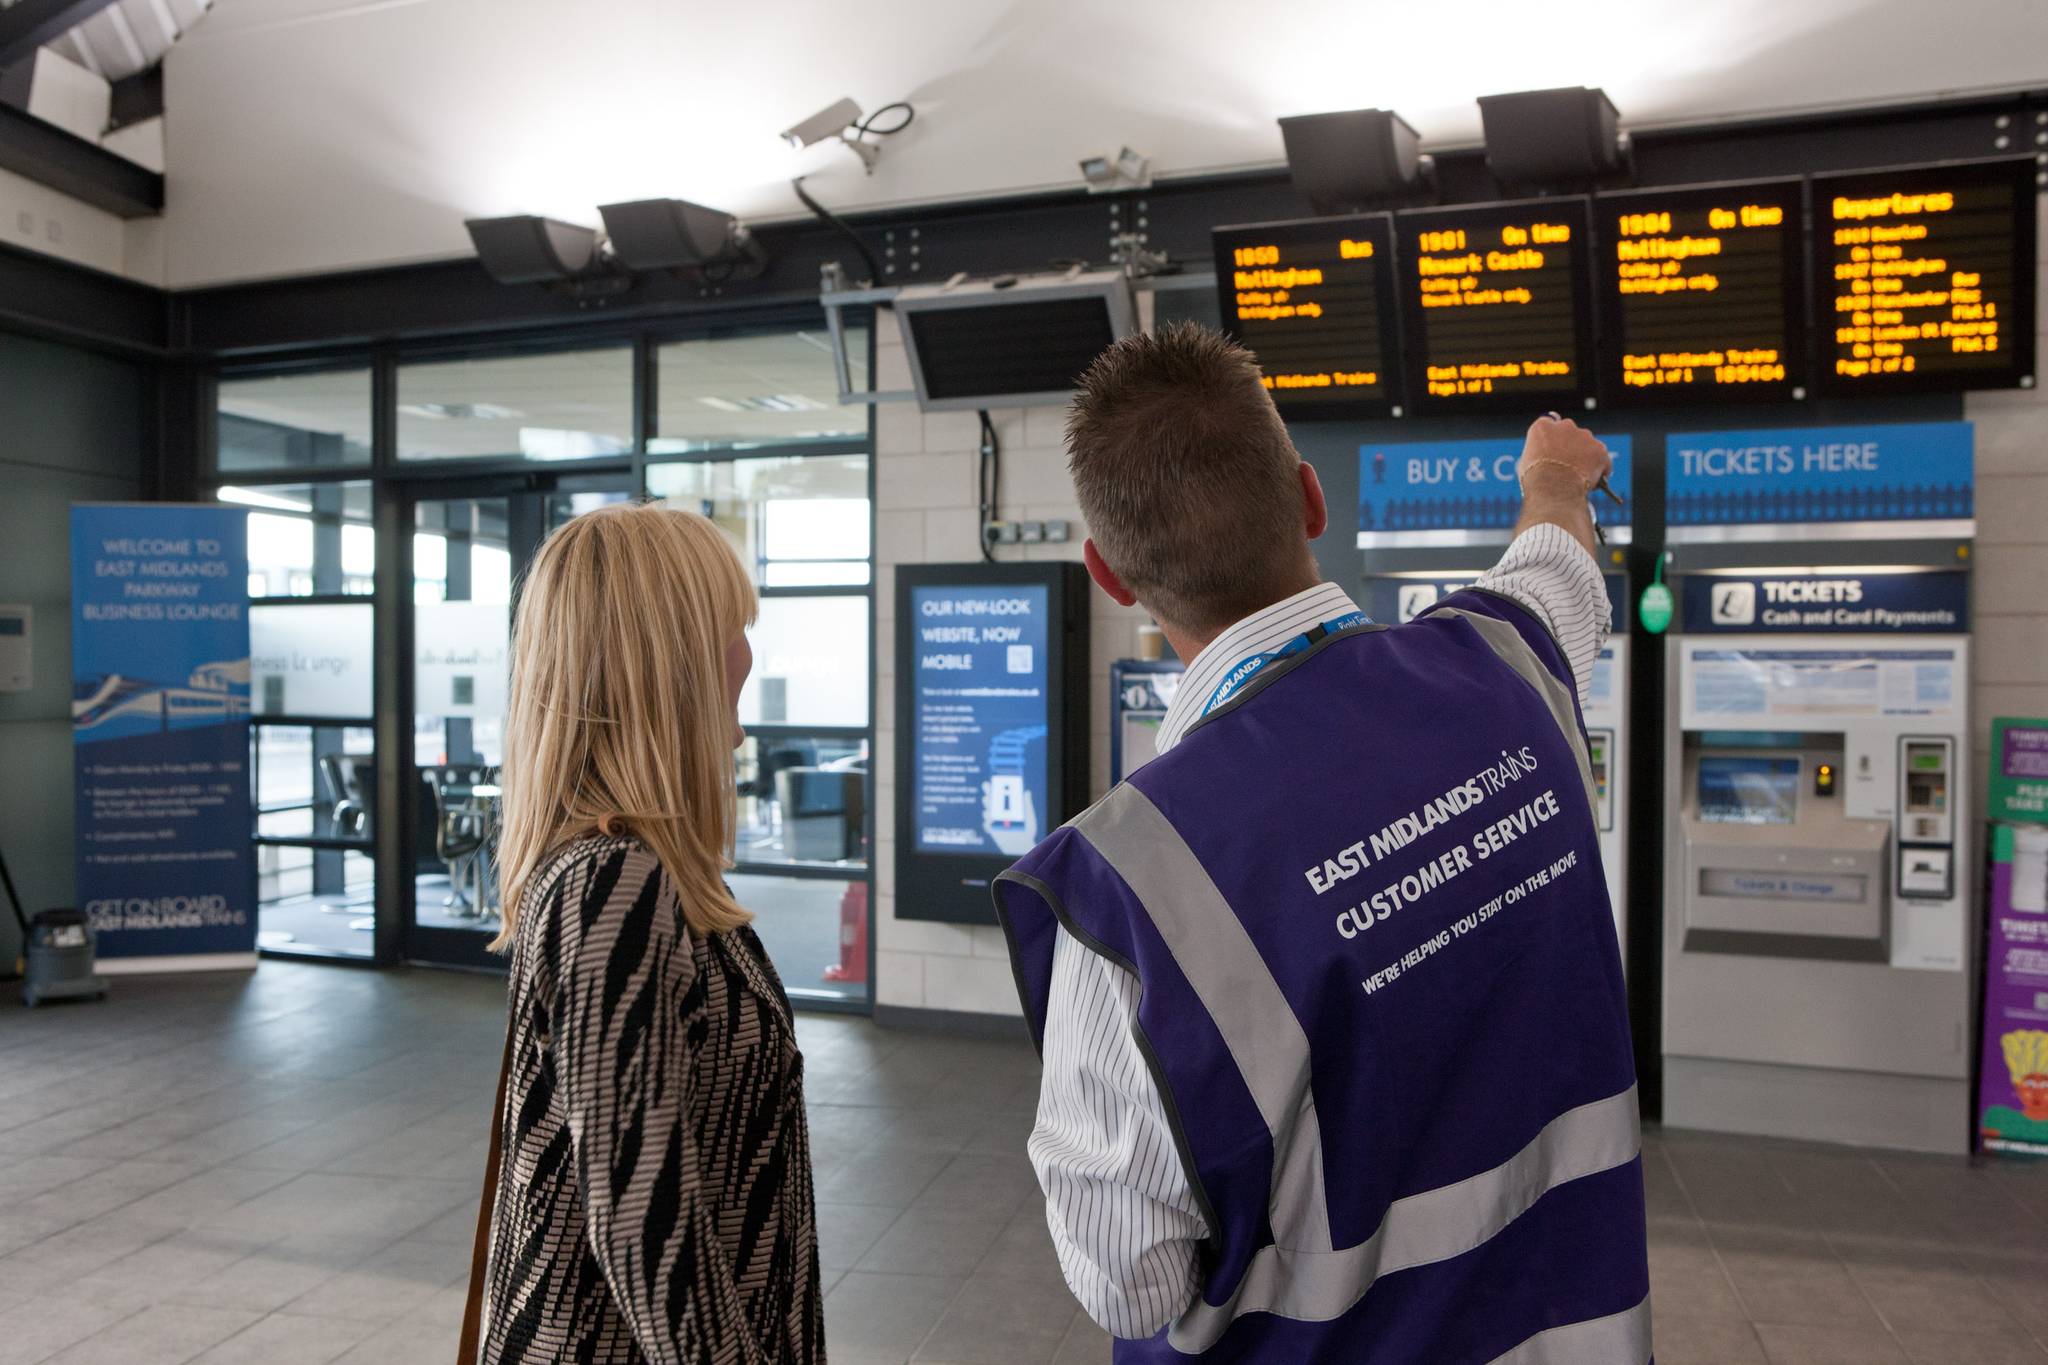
x=1493 y=306
x=1924 y=278
x=1700 y=293
x=1313 y=300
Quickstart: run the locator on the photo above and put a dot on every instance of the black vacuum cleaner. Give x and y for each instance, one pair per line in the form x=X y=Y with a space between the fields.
x=56 y=949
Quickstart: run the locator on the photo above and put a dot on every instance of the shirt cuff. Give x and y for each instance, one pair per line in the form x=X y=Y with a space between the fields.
x=1550 y=573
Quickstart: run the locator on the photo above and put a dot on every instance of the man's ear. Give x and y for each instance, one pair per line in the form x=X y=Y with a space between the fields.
x=1105 y=577
x=1316 y=510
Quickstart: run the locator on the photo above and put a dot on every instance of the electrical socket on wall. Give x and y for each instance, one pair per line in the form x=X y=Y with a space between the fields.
x=1026 y=532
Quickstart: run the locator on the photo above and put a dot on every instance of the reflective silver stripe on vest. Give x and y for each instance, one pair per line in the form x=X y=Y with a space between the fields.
x=1621 y=1338
x=1514 y=651
x=1424 y=1228
x=1217 y=956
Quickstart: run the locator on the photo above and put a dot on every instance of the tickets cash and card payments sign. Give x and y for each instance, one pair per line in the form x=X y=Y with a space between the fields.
x=989 y=657
x=1913 y=478
x=1398 y=599
x=1461 y=492
x=1918 y=602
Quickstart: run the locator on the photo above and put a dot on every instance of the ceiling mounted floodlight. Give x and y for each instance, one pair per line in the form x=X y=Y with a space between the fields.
x=674 y=234
x=1127 y=170
x=1569 y=137
x=527 y=250
x=1353 y=159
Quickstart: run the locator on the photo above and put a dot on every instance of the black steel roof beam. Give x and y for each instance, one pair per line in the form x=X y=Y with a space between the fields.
x=46 y=297
x=70 y=165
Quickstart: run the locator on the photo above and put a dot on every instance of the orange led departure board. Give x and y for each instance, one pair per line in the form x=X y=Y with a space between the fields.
x=1493 y=306
x=1313 y=300
x=1700 y=294
x=1924 y=278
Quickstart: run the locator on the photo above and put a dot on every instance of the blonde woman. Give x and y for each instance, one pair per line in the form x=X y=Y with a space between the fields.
x=653 y=1189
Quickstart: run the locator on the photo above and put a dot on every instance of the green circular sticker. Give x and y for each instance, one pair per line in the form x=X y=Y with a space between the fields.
x=1654 y=611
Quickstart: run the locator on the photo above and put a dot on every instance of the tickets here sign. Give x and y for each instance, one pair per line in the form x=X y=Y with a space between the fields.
x=1916 y=471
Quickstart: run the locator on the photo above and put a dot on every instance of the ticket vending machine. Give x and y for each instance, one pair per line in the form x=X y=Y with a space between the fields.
x=1140 y=690
x=1396 y=596
x=1817 y=871
x=1432 y=517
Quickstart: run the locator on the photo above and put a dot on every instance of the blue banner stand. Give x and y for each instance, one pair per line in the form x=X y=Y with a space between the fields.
x=160 y=735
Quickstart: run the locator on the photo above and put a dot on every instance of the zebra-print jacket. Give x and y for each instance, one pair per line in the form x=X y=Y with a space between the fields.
x=654 y=1195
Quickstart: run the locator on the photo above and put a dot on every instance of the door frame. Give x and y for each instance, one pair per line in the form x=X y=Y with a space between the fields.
x=398 y=501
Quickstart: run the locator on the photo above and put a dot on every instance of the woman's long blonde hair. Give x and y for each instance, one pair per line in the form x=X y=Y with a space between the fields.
x=618 y=721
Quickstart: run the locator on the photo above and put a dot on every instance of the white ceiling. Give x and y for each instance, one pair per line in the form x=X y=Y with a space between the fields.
x=308 y=135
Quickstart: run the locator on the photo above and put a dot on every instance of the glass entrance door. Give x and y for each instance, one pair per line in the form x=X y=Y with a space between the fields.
x=470 y=546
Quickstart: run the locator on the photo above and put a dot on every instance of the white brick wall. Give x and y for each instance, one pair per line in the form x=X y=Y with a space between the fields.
x=925 y=514
x=2009 y=589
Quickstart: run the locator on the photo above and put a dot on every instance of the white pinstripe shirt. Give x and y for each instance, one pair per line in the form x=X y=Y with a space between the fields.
x=1122 y=1215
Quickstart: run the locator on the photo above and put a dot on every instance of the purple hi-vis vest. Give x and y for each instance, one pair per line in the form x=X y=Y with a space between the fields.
x=1382 y=999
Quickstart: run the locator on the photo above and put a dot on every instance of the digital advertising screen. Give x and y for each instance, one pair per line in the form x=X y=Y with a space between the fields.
x=981 y=696
x=1701 y=293
x=987 y=665
x=1314 y=301
x=1494 y=309
x=1924 y=278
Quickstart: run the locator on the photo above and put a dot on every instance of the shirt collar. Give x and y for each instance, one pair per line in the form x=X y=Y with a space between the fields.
x=1261 y=632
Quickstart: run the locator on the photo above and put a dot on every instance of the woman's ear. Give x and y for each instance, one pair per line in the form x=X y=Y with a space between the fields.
x=1105 y=577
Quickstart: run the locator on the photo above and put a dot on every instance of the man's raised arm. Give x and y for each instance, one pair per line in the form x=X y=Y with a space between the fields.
x=1549 y=568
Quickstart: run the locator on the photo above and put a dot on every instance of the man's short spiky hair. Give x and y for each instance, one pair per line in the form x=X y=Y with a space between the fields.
x=1186 y=476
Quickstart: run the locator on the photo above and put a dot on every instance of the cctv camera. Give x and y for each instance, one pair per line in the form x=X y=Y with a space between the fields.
x=828 y=122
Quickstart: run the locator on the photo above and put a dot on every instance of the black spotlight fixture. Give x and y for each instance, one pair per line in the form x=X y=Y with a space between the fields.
x=527 y=250
x=1568 y=138
x=674 y=234
x=1354 y=159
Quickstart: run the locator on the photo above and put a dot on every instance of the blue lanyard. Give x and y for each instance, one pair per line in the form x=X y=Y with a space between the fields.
x=1243 y=670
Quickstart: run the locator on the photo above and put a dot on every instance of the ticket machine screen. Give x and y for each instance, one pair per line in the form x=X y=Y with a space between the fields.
x=1748 y=791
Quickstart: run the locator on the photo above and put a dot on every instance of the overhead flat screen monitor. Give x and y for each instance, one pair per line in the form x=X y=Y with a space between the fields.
x=1748 y=791
x=1924 y=278
x=986 y=345
x=1701 y=293
x=989 y=658
x=1494 y=309
x=1314 y=301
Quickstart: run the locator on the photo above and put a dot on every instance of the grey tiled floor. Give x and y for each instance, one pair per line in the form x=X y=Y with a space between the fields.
x=281 y=1170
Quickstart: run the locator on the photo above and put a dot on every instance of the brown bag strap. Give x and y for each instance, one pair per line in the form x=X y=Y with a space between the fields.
x=469 y=1352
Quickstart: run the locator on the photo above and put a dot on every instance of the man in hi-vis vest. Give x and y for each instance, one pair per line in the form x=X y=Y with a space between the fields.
x=1336 y=1051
